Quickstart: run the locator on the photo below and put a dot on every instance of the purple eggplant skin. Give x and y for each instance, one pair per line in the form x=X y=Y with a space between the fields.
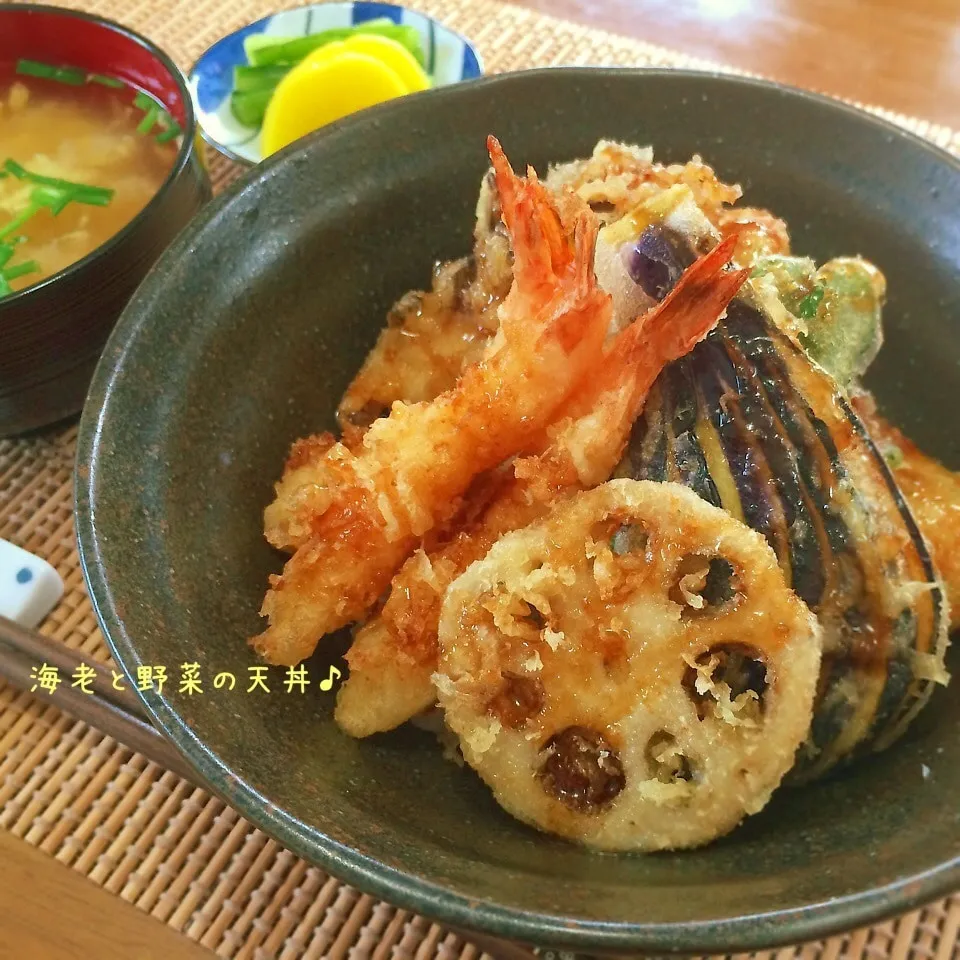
x=655 y=261
x=748 y=404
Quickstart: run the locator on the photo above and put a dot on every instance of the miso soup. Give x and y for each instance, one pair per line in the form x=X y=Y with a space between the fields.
x=78 y=161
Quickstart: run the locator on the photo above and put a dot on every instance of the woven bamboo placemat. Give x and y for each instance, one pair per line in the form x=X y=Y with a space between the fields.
x=155 y=840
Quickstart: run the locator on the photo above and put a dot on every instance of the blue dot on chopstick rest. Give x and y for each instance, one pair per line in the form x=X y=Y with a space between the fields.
x=24 y=575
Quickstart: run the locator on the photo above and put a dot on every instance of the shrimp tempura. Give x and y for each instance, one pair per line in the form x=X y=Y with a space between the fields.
x=369 y=506
x=394 y=655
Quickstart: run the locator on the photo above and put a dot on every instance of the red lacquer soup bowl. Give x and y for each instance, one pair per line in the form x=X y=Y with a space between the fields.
x=52 y=333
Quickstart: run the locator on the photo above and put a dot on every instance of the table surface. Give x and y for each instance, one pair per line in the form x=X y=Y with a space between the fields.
x=884 y=52
x=51 y=912
x=901 y=55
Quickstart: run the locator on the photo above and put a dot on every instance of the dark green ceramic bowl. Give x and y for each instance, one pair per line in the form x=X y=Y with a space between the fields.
x=243 y=337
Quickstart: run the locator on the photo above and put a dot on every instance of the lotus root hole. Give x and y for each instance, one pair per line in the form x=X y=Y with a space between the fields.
x=665 y=761
x=581 y=769
x=728 y=681
x=702 y=584
x=519 y=699
x=629 y=538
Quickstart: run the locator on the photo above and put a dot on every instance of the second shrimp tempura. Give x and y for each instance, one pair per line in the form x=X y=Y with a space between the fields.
x=365 y=508
x=394 y=655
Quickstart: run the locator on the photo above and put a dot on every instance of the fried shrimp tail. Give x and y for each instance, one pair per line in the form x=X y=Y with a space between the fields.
x=394 y=654
x=410 y=470
x=596 y=420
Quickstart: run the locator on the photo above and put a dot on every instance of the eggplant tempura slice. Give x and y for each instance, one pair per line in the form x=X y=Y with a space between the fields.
x=751 y=424
x=932 y=491
x=631 y=673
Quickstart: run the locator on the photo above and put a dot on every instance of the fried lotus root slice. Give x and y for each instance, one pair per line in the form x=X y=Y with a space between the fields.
x=631 y=673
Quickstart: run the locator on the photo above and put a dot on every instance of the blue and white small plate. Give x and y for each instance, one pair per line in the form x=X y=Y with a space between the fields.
x=450 y=59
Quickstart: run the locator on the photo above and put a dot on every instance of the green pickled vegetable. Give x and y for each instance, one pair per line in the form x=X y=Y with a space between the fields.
x=247 y=79
x=252 y=89
x=294 y=51
x=279 y=50
x=255 y=42
x=249 y=108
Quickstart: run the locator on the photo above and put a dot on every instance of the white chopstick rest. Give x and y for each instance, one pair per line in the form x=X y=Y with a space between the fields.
x=29 y=586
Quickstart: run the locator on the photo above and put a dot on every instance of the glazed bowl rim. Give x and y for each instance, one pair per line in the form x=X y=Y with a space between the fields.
x=187 y=146
x=748 y=931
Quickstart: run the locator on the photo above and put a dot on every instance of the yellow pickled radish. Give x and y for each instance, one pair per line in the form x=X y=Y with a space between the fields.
x=335 y=80
x=394 y=55
x=315 y=94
